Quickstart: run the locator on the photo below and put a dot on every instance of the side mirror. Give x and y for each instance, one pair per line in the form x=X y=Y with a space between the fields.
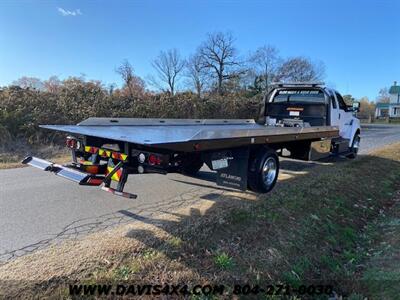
x=356 y=106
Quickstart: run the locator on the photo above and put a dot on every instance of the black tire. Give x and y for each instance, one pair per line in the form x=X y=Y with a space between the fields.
x=354 y=146
x=191 y=165
x=265 y=160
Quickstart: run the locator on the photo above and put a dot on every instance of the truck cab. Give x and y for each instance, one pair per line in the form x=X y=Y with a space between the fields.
x=313 y=104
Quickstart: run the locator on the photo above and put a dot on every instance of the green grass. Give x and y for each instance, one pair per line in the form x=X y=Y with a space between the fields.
x=382 y=273
x=150 y=254
x=240 y=216
x=223 y=261
x=175 y=242
x=122 y=273
x=333 y=225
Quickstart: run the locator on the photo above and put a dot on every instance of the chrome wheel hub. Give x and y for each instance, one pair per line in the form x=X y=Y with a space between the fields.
x=269 y=171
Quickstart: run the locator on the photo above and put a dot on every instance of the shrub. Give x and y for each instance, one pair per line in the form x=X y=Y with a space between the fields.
x=22 y=110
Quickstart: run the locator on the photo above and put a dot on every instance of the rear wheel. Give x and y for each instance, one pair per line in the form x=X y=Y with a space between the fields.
x=263 y=171
x=355 y=146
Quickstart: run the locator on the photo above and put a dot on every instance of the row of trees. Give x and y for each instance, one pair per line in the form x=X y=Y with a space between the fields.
x=215 y=67
x=214 y=82
x=367 y=106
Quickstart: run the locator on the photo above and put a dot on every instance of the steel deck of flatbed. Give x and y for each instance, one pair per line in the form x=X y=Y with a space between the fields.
x=176 y=134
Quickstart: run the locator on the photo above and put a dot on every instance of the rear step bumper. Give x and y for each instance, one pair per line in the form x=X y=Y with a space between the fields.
x=63 y=171
x=74 y=174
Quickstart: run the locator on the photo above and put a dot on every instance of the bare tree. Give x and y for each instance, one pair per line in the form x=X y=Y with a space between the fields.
x=265 y=61
x=300 y=69
x=219 y=55
x=26 y=82
x=196 y=73
x=52 y=84
x=169 y=66
x=133 y=84
x=383 y=96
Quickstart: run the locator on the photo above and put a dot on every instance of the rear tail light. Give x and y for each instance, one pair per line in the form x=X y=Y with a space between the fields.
x=72 y=143
x=141 y=158
x=154 y=160
x=151 y=159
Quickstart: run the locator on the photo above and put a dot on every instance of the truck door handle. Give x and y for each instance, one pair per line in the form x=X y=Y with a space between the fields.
x=339 y=116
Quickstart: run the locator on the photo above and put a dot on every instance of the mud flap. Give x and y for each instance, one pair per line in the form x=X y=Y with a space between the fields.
x=231 y=167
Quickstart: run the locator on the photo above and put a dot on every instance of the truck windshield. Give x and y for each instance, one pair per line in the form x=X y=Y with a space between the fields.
x=310 y=96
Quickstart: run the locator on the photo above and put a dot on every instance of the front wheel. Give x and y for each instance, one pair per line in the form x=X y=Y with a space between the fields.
x=263 y=171
x=355 y=146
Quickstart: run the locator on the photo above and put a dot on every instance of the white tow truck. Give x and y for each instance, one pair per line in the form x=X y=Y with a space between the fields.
x=305 y=121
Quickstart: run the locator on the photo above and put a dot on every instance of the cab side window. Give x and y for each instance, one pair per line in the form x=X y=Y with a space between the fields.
x=333 y=100
x=342 y=104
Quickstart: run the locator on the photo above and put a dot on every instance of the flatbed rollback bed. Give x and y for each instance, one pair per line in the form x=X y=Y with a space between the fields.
x=244 y=153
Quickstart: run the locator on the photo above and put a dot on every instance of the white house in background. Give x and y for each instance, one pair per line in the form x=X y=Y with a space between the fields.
x=391 y=109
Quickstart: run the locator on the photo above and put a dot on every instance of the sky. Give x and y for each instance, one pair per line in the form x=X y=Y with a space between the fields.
x=358 y=41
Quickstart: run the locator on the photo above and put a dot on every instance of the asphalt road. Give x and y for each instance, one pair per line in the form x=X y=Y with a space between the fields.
x=38 y=209
x=374 y=136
